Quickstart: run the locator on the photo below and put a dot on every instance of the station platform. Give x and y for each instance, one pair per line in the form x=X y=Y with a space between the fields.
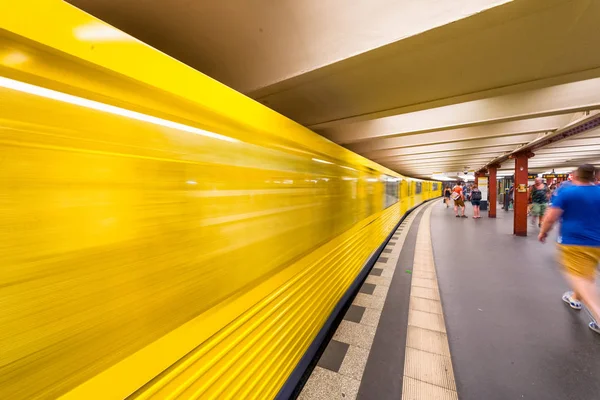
x=460 y=308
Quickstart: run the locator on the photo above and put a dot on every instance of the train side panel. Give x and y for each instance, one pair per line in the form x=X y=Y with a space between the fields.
x=155 y=246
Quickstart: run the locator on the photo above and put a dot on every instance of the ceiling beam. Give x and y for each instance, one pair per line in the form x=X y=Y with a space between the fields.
x=472 y=144
x=441 y=160
x=575 y=142
x=588 y=123
x=553 y=100
x=454 y=154
x=511 y=128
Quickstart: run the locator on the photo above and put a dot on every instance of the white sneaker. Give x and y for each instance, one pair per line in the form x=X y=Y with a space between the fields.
x=573 y=303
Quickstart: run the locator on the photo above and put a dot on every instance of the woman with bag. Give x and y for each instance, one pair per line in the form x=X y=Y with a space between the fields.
x=476 y=201
x=447 y=193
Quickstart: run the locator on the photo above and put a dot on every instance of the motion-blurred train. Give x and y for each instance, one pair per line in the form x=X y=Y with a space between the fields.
x=163 y=236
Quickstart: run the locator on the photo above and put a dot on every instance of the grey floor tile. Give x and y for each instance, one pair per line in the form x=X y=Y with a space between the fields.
x=333 y=356
x=376 y=271
x=354 y=313
x=367 y=288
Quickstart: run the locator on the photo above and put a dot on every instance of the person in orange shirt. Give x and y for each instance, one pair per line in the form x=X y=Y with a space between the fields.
x=459 y=201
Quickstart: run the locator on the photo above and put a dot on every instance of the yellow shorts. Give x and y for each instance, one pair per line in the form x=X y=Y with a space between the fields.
x=580 y=261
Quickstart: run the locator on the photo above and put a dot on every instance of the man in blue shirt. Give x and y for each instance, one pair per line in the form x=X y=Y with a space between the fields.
x=578 y=206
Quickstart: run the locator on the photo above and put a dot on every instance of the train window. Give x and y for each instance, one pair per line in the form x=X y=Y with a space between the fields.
x=418 y=187
x=391 y=191
x=434 y=186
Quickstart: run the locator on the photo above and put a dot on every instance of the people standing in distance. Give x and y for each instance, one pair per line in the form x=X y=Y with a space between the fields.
x=476 y=201
x=529 y=202
x=447 y=193
x=552 y=194
x=578 y=206
x=459 y=201
x=466 y=191
x=540 y=195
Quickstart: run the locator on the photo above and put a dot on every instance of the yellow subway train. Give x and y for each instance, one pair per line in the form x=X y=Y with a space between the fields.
x=163 y=236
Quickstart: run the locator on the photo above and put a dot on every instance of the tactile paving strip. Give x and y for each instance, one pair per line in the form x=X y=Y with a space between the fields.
x=428 y=370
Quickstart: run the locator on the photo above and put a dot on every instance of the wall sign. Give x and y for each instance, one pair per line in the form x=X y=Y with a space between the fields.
x=482 y=184
x=555 y=176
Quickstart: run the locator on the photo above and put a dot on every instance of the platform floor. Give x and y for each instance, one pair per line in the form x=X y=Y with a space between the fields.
x=500 y=331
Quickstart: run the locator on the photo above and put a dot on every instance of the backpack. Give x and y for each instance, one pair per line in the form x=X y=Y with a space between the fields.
x=476 y=195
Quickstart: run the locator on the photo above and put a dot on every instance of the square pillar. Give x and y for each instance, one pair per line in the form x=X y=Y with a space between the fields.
x=521 y=193
x=493 y=190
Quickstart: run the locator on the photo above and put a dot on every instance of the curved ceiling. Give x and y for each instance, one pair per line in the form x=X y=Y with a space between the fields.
x=421 y=87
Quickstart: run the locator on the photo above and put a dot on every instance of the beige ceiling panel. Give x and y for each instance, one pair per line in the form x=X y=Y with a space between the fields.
x=421 y=86
x=575 y=142
x=444 y=156
x=593 y=133
x=440 y=163
x=513 y=141
x=462 y=159
x=560 y=99
x=500 y=51
x=568 y=148
x=563 y=153
x=450 y=155
x=249 y=45
x=533 y=125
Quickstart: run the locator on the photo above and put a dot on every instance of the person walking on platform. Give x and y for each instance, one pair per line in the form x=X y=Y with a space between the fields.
x=578 y=206
x=459 y=201
x=529 y=202
x=552 y=193
x=476 y=201
x=539 y=198
x=466 y=192
x=447 y=193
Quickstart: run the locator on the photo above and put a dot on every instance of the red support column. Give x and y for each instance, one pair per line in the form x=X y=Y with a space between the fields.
x=492 y=191
x=521 y=193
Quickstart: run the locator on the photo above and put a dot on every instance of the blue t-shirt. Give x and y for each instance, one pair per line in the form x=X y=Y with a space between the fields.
x=581 y=215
